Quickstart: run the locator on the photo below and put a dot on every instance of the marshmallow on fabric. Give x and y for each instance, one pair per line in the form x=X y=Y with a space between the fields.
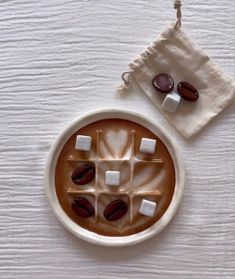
x=147 y=208
x=83 y=143
x=147 y=145
x=171 y=102
x=112 y=178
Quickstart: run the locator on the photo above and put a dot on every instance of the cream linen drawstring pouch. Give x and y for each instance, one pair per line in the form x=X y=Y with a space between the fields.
x=176 y=54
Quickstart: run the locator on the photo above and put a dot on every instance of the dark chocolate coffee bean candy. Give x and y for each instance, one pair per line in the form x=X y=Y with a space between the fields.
x=83 y=174
x=115 y=210
x=163 y=83
x=187 y=91
x=82 y=207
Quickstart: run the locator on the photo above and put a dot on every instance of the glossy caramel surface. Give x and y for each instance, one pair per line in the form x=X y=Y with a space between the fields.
x=115 y=146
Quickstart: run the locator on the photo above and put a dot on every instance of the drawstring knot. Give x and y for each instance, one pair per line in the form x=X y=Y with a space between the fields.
x=177 y=6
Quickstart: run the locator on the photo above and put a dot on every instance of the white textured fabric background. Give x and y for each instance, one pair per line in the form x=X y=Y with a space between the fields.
x=62 y=58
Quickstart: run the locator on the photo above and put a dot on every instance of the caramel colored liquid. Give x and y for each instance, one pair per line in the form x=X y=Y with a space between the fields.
x=115 y=146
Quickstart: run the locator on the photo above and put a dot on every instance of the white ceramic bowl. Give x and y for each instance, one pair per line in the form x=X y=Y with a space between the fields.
x=50 y=178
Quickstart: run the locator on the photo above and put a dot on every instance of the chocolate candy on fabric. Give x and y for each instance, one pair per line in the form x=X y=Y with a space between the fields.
x=187 y=91
x=163 y=83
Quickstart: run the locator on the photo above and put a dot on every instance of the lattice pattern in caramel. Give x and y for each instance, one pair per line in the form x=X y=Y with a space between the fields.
x=142 y=176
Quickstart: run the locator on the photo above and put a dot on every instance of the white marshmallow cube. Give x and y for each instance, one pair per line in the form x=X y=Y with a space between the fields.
x=171 y=102
x=83 y=143
x=147 y=145
x=147 y=208
x=112 y=178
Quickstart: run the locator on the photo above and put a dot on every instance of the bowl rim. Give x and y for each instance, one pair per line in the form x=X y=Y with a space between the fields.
x=56 y=148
